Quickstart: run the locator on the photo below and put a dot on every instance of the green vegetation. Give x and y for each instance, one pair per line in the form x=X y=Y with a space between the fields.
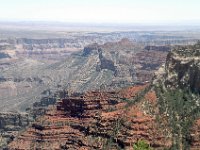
x=141 y=145
x=182 y=109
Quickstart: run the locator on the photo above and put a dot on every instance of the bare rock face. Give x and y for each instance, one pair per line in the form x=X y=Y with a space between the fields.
x=106 y=63
x=183 y=68
x=89 y=49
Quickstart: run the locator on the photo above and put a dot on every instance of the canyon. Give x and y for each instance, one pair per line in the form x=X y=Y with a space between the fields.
x=73 y=90
x=163 y=117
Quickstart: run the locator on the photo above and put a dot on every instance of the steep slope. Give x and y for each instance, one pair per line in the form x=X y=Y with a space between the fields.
x=183 y=68
x=177 y=86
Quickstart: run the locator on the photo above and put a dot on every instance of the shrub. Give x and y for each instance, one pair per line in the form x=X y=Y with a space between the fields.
x=141 y=145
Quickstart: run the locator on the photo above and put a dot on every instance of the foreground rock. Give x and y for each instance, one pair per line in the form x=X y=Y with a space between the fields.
x=95 y=120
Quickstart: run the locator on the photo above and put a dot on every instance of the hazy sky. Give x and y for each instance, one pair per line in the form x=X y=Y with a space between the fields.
x=110 y=11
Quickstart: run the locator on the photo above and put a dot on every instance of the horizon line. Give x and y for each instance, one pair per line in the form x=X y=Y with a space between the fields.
x=148 y=23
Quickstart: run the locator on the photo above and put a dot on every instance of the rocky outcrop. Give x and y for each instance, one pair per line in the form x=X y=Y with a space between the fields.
x=185 y=73
x=106 y=63
x=182 y=68
x=89 y=49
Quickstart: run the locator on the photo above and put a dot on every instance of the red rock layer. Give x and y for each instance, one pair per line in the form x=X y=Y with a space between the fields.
x=94 y=121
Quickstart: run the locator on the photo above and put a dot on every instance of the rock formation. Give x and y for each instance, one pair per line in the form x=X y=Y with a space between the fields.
x=181 y=69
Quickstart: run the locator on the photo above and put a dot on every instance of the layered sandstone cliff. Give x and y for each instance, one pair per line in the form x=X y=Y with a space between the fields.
x=182 y=68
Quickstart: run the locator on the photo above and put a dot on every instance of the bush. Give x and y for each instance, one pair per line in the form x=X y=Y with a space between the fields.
x=141 y=145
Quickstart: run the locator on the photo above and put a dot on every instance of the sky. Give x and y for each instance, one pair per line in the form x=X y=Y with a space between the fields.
x=101 y=11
